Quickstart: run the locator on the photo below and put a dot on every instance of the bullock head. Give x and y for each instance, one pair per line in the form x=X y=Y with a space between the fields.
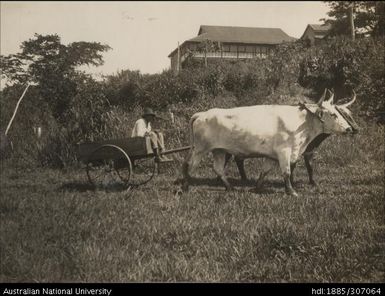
x=334 y=118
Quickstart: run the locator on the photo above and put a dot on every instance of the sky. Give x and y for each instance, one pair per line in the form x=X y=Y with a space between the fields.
x=143 y=33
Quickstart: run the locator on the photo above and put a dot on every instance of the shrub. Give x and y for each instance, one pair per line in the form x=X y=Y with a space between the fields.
x=344 y=65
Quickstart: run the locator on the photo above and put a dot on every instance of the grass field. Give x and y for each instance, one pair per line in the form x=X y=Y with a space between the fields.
x=55 y=228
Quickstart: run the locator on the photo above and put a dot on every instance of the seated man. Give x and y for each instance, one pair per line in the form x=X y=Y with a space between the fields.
x=143 y=128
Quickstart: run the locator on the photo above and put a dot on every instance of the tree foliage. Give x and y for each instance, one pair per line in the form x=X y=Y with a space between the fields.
x=45 y=61
x=369 y=17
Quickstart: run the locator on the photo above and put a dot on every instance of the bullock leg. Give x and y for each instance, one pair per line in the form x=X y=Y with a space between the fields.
x=241 y=167
x=309 y=168
x=219 y=167
x=266 y=167
x=227 y=159
x=261 y=177
x=292 y=168
x=240 y=162
x=189 y=165
x=284 y=163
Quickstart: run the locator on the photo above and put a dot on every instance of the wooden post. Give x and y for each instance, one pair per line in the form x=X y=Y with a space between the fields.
x=221 y=49
x=178 y=60
x=206 y=53
x=14 y=112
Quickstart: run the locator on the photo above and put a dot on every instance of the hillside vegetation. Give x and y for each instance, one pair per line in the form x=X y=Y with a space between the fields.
x=95 y=110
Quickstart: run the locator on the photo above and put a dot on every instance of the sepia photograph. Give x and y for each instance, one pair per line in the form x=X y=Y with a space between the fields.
x=204 y=142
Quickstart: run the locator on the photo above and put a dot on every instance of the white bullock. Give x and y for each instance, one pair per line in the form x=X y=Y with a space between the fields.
x=311 y=147
x=278 y=132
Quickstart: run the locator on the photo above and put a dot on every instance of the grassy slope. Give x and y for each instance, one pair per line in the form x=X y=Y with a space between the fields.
x=54 y=228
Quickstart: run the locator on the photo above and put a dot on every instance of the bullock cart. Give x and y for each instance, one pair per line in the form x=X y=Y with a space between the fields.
x=124 y=162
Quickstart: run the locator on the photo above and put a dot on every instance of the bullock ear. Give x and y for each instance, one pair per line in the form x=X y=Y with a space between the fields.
x=312 y=108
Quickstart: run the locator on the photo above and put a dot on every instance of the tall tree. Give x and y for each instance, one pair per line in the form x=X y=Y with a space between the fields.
x=206 y=46
x=356 y=17
x=45 y=61
x=351 y=21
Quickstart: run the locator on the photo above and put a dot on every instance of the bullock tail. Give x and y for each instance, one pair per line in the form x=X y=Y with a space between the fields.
x=186 y=163
x=191 y=130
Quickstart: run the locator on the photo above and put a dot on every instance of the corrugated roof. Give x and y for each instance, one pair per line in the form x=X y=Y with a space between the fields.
x=247 y=35
x=242 y=35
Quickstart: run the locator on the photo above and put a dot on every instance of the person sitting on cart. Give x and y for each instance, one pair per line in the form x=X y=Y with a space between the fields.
x=142 y=128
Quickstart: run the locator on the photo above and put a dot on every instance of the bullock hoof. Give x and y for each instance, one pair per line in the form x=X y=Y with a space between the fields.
x=292 y=193
x=259 y=185
x=257 y=190
x=177 y=182
x=313 y=183
x=185 y=187
x=244 y=180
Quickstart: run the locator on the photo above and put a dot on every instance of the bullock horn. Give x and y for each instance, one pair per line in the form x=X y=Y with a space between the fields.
x=330 y=101
x=351 y=102
x=323 y=97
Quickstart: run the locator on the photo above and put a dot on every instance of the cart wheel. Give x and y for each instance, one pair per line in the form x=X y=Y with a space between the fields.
x=109 y=166
x=143 y=170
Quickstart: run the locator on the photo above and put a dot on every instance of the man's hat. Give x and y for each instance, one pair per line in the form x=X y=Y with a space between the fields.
x=148 y=111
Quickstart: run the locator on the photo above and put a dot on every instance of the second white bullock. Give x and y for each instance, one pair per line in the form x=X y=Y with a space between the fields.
x=278 y=132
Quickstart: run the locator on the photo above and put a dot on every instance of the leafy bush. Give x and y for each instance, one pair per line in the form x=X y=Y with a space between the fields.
x=344 y=65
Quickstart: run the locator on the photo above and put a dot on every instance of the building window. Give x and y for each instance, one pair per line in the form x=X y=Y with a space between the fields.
x=262 y=51
x=259 y=50
x=250 y=48
x=241 y=48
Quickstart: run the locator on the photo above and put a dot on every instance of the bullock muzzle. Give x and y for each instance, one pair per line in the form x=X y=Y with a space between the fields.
x=354 y=128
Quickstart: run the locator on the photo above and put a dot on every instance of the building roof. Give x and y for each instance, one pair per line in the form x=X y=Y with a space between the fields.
x=242 y=35
x=320 y=30
x=247 y=35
